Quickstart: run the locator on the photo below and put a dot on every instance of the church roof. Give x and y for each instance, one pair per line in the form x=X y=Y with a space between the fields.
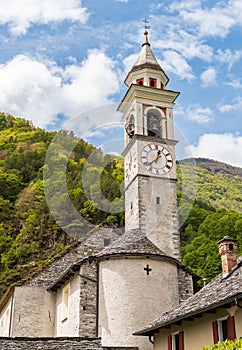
x=132 y=242
x=50 y=274
x=89 y=245
x=219 y=292
x=146 y=58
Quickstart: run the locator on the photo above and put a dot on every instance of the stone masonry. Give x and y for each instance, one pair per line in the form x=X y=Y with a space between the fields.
x=54 y=344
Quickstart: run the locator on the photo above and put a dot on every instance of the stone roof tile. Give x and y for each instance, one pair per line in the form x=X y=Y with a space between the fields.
x=132 y=242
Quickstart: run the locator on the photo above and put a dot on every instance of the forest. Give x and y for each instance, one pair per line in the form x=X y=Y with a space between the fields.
x=83 y=177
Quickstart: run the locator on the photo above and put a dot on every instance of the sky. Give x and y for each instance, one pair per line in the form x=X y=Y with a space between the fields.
x=63 y=63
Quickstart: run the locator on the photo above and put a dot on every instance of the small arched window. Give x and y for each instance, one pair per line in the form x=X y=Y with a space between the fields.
x=152 y=82
x=130 y=126
x=140 y=81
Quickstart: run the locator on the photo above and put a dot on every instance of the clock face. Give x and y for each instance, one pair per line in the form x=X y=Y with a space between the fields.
x=157 y=159
x=130 y=165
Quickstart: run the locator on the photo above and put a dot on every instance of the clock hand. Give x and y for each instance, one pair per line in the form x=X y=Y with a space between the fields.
x=155 y=160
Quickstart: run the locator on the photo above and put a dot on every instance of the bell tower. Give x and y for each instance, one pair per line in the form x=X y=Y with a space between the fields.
x=140 y=274
x=150 y=162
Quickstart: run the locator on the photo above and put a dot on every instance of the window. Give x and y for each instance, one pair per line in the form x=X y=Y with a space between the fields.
x=106 y=242
x=157 y=200
x=140 y=81
x=224 y=328
x=176 y=341
x=152 y=82
x=65 y=302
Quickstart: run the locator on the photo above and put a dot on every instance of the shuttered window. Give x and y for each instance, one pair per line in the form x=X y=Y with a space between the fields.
x=231 y=328
x=176 y=341
x=223 y=329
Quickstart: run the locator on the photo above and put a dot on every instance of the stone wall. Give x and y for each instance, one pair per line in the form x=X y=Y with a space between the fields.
x=50 y=344
x=185 y=285
x=151 y=205
x=54 y=344
x=88 y=299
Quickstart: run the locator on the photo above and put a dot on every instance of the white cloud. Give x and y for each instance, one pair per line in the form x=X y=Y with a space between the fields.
x=236 y=105
x=129 y=61
x=221 y=147
x=20 y=15
x=214 y=21
x=41 y=90
x=229 y=57
x=199 y=114
x=235 y=83
x=187 y=44
x=208 y=77
x=176 y=64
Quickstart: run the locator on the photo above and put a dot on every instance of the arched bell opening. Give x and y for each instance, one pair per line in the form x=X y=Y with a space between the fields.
x=154 y=119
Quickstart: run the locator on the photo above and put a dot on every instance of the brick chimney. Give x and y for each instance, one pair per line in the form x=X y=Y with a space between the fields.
x=228 y=249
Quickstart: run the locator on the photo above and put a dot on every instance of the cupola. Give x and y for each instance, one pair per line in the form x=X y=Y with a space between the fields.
x=146 y=70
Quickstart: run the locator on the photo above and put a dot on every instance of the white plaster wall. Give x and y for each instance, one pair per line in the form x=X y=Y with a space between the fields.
x=170 y=124
x=238 y=322
x=70 y=326
x=33 y=312
x=5 y=317
x=129 y=299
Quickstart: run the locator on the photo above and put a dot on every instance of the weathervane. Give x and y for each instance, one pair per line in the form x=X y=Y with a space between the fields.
x=146 y=24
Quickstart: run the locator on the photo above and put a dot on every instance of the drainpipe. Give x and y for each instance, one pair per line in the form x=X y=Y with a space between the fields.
x=151 y=340
x=237 y=303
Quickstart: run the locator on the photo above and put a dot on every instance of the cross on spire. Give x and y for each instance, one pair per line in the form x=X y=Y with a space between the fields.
x=148 y=270
x=146 y=24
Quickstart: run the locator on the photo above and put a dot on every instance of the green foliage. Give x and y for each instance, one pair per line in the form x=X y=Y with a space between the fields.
x=226 y=345
x=29 y=235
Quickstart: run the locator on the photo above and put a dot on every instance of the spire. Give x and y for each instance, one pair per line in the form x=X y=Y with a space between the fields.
x=146 y=40
x=146 y=58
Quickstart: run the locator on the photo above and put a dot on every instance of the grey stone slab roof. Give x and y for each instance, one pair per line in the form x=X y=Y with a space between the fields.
x=220 y=291
x=132 y=242
x=90 y=244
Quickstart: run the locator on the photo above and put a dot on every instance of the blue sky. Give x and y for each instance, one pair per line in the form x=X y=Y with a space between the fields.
x=61 y=59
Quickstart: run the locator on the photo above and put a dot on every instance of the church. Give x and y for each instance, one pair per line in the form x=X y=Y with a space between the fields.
x=106 y=291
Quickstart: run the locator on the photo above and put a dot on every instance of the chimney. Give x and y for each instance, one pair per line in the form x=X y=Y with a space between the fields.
x=228 y=249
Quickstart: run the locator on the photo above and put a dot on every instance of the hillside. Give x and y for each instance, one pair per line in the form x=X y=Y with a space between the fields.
x=30 y=236
x=215 y=166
